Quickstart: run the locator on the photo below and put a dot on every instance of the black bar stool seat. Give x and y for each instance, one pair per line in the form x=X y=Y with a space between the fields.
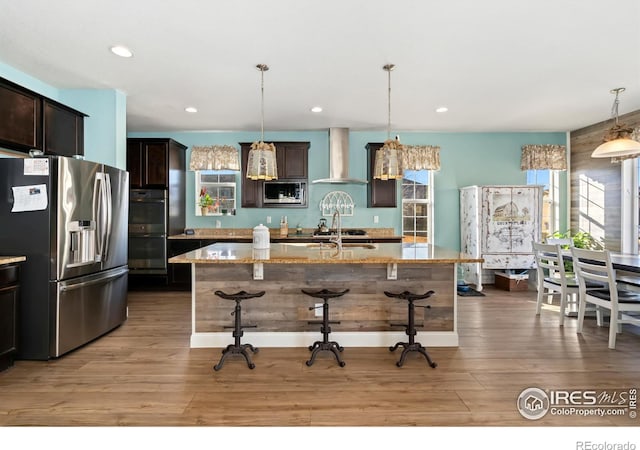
x=237 y=347
x=410 y=326
x=325 y=329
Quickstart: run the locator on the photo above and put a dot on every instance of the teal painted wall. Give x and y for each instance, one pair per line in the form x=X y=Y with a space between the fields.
x=28 y=81
x=105 y=137
x=467 y=159
x=105 y=128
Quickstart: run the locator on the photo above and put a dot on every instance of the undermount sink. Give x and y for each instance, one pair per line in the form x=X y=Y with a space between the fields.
x=333 y=245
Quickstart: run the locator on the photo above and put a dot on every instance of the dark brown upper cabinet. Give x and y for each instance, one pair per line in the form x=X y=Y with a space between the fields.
x=292 y=160
x=31 y=121
x=151 y=162
x=20 y=118
x=380 y=193
x=63 y=130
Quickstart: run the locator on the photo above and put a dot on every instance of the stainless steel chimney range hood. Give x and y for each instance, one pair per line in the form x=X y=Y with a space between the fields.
x=339 y=159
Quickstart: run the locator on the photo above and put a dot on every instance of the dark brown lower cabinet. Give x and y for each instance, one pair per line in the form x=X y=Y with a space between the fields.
x=9 y=296
x=180 y=274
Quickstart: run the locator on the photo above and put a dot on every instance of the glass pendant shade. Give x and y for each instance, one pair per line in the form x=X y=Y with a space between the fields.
x=617 y=147
x=618 y=140
x=261 y=162
x=388 y=162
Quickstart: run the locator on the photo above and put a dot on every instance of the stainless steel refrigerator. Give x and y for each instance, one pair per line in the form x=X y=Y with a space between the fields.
x=69 y=218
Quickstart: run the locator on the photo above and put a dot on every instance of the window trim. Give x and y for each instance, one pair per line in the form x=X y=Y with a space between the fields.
x=554 y=196
x=198 y=185
x=630 y=207
x=429 y=201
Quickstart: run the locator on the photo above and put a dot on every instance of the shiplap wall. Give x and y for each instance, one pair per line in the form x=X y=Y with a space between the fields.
x=596 y=184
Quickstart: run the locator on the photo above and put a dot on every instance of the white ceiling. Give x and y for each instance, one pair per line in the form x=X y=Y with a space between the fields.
x=498 y=65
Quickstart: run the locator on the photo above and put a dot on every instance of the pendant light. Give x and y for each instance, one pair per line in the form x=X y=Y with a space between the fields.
x=617 y=141
x=388 y=162
x=261 y=162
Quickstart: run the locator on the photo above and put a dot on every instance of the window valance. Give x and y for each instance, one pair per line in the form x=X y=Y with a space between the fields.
x=214 y=157
x=545 y=156
x=421 y=157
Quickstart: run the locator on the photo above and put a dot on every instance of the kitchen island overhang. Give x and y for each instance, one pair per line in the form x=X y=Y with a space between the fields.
x=367 y=317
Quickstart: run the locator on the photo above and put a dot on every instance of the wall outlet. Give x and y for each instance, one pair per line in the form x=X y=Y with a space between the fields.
x=375 y=219
x=318 y=310
x=218 y=224
x=268 y=219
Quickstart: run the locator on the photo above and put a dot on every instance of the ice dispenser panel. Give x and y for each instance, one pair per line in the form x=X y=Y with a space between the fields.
x=83 y=242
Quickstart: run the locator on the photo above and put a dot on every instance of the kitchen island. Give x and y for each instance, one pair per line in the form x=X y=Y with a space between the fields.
x=366 y=315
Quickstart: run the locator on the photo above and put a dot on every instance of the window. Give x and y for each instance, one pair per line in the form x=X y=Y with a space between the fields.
x=417 y=206
x=215 y=192
x=636 y=190
x=550 y=180
x=630 y=206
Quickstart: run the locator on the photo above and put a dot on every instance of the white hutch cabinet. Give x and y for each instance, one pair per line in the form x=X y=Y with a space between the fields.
x=499 y=224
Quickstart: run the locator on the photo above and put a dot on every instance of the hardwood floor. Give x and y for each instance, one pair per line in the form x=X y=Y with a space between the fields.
x=145 y=374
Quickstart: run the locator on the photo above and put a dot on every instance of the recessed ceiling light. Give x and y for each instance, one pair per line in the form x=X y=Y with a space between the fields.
x=121 y=50
x=316 y=109
x=191 y=109
x=442 y=109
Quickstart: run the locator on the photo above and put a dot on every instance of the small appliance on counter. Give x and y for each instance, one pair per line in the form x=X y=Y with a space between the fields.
x=322 y=227
x=261 y=242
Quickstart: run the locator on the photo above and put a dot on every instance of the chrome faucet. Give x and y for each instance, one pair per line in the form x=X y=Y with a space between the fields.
x=336 y=223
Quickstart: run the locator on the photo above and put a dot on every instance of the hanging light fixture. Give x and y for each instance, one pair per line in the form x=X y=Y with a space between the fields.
x=617 y=141
x=261 y=162
x=388 y=162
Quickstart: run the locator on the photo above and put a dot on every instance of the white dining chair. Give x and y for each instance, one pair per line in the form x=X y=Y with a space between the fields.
x=552 y=278
x=594 y=266
x=572 y=301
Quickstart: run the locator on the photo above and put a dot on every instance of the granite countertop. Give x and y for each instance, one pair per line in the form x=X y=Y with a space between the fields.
x=307 y=233
x=11 y=259
x=301 y=253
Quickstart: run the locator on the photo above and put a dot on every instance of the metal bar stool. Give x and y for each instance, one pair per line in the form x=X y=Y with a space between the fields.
x=410 y=326
x=325 y=344
x=236 y=347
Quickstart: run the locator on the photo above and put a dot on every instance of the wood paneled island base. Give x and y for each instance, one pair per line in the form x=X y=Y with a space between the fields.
x=366 y=315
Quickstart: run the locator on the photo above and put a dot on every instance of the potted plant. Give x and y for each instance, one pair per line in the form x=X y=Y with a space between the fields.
x=205 y=201
x=581 y=239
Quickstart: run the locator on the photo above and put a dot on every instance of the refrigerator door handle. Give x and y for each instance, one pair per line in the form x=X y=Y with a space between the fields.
x=98 y=280
x=108 y=204
x=96 y=215
x=100 y=214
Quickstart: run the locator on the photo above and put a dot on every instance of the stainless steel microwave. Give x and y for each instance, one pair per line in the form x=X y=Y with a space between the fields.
x=284 y=192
